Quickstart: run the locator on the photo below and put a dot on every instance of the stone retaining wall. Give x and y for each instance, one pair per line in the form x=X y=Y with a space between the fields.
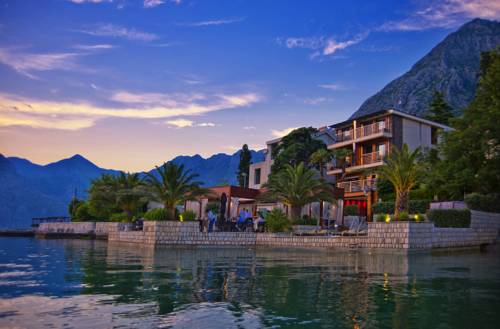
x=395 y=235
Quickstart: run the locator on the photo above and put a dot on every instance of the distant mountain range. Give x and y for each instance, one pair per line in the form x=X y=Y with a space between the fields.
x=30 y=190
x=451 y=67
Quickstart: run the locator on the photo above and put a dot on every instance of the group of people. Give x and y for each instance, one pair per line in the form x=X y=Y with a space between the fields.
x=243 y=222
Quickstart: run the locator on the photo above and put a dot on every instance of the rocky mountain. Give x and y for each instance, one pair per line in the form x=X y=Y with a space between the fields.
x=30 y=190
x=451 y=67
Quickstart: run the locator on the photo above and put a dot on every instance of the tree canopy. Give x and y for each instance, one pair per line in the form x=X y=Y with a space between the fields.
x=244 y=166
x=469 y=156
x=296 y=147
x=439 y=111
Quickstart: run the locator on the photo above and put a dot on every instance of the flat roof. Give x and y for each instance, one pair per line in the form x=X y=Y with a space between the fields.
x=395 y=112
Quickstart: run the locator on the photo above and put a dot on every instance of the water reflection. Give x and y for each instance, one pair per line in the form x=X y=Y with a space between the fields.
x=245 y=288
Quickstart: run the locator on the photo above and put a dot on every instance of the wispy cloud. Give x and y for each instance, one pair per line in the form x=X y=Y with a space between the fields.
x=317 y=100
x=20 y=111
x=185 y=123
x=282 y=132
x=180 y=123
x=26 y=64
x=215 y=22
x=249 y=127
x=89 y=1
x=332 y=86
x=444 y=14
x=94 y=47
x=110 y=30
x=322 y=46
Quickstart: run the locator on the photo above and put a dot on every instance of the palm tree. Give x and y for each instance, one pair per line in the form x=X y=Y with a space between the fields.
x=320 y=158
x=296 y=186
x=173 y=185
x=130 y=192
x=401 y=168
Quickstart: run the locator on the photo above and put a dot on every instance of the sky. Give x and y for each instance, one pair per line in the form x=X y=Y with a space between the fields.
x=130 y=84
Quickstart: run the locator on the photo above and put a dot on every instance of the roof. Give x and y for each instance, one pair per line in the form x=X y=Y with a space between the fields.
x=395 y=112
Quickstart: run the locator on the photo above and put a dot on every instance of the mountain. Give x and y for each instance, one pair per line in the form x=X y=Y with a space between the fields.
x=30 y=190
x=218 y=169
x=451 y=67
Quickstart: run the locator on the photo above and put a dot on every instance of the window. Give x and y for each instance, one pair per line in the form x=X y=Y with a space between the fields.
x=256 y=179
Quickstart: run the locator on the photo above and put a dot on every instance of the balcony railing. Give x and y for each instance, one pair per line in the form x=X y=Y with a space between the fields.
x=362 y=185
x=364 y=131
x=373 y=157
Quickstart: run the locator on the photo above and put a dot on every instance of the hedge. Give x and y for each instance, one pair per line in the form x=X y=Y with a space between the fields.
x=351 y=210
x=416 y=207
x=481 y=202
x=449 y=217
x=156 y=214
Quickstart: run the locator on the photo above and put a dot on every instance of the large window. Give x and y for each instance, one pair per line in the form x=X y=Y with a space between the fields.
x=256 y=179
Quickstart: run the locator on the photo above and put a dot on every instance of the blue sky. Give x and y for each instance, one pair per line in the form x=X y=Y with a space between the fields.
x=130 y=84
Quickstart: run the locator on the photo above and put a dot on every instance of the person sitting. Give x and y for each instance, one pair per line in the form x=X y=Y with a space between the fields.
x=242 y=219
x=211 y=220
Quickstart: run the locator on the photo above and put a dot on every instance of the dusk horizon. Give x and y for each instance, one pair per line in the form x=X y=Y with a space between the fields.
x=132 y=84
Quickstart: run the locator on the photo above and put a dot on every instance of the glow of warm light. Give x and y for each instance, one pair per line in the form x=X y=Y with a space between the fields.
x=387 y=218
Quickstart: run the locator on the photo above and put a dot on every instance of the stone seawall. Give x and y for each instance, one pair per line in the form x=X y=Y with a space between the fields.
x=395 y=235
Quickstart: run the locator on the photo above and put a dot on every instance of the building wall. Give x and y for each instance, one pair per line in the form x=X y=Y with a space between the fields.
x=416 y=134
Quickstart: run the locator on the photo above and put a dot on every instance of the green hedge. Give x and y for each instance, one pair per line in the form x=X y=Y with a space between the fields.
x=188 y=215
x=351 y=210
x=481 y=202
x=156 y=214
x=416 y=207
x=449 y=217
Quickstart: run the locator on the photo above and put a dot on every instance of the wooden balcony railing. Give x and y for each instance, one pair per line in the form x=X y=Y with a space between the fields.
x=358 y=185
x=364 y=131
x=373 y=157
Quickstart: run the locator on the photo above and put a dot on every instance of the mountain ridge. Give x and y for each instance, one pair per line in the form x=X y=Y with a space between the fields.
x=451 y=67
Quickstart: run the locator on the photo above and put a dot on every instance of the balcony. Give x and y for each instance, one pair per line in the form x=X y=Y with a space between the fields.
x=362 y=185
x=374 y=130
x=367 y=160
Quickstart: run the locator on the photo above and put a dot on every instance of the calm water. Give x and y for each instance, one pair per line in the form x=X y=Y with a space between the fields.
x=90 y=284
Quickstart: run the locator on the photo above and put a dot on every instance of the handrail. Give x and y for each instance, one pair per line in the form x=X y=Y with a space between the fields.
x=358 y=185
x=363 y=131
x=372 y=157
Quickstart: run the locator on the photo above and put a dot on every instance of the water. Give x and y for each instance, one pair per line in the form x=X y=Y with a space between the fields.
x=92 y=284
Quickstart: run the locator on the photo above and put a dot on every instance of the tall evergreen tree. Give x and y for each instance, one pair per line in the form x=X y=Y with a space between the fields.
x=244 y=167
x=439 y=111
x=471 y=152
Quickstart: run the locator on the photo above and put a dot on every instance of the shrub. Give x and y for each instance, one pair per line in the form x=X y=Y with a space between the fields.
x=449 y=217
x=214 y=206
x=380 y=217
x=416 y=206
x=120 y=217
x=481 y=202
x=351 y=210
x=188 y=215
x=403 y=216
x=83 y=213
x=276 y=221
x=156 y=214
x=306 y=220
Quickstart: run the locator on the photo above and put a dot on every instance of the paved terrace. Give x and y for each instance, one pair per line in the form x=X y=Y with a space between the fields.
x=396 y=235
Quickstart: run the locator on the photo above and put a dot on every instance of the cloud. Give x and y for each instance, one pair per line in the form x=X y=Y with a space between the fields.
x=90 y=1
x=180 y=123
x=110 y=30
x=27 y=63
x=206 y=124
x=323 y=46
x=94 y=47
x=283 y=132
x=444 y=14
x=152 y=3
x=316 y=100
x=249 y=127
x=332 y=86
x=184 y=123
x=18 y=111
x=216 y=22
